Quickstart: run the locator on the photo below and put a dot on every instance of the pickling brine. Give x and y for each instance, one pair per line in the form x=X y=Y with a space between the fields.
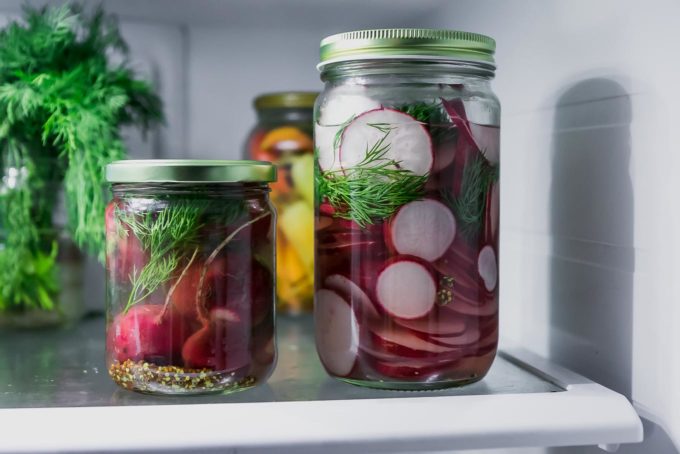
x=190 y=275
x=407 y=225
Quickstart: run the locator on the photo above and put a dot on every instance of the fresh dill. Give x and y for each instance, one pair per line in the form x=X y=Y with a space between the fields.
x=469 y=206
x=433 y=116
x=372 y=190
x=168 y=236
x=62 y=104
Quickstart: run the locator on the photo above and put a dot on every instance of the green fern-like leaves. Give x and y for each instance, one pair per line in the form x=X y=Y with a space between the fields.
x=62 y=98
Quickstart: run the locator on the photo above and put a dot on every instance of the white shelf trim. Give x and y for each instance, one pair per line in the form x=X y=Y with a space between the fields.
x=586 y=413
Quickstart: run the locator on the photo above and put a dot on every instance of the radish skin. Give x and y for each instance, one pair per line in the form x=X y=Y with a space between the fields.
x=336 y=109
x=440 y=324
x=487 y=308
x=407 y=143
x=469 y=337
x=403 y=343
x=423 y=228
x=488 y=140
x=406 y=288
x=353 y=293
x=336 y=332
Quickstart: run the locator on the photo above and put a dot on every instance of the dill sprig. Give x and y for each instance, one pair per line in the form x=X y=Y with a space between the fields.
x=168 y=236
x=434 y=117
x=64 y=102
x=372 y=190
x=469 y=206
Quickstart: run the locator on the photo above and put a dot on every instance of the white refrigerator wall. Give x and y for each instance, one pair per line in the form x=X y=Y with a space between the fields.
x=589 y=212
x=589 y=140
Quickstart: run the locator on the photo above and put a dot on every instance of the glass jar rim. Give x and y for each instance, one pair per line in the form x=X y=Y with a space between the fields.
x=286 y=100
x=407 y=43
x=190 y=171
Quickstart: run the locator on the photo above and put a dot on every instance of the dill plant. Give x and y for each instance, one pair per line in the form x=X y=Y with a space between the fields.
x=62 y=104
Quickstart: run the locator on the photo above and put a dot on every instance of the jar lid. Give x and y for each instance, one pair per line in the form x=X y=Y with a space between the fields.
x=189 y=171
x=286 y=99
x=410 y=43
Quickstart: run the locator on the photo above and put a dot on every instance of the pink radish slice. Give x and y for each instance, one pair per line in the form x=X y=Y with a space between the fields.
x=407 y=142
x=456 y=111
x=406 y=288
x=352 y=293
x=336 y=330
x=423 y=228
x=326 y=153
x=490 y=339
x=493 y=212
x=444 y=155
x=470 y=336
x=335 y=110
x=402 y=342
x=487 y=267
x=418 y=370
x=488 y=140
x=488 y=307
x=440 y=324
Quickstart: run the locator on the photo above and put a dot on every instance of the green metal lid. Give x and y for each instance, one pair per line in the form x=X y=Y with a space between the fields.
x=410 y=43
x=286 y=99
x=189 y=171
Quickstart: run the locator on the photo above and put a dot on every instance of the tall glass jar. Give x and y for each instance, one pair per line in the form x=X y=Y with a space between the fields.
x=41 y=268
x=407 y=143
x=283 y=135
x=190 y=275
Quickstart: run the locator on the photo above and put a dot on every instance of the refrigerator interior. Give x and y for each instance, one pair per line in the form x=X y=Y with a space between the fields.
x=587 y=89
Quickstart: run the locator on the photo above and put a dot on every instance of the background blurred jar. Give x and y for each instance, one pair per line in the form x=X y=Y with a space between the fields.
x=283 y=135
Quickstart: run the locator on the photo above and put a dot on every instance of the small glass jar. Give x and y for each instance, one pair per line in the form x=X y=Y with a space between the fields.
x=407 y=152
x=283 y=135
x=190 y=275
x=41 y=269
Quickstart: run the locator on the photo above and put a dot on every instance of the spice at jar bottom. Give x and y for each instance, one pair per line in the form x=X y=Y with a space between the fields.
x=190 y=275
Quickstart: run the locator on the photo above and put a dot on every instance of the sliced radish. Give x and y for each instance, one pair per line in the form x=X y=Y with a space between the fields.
x=335 y=111
x=492 y=213
x=487 y=267
x=440 y=324
x=488 y=307
x=488 y=139
x=491 y=339
x=410 y=369
x=456 y=111
x=406 y=288
x=352 y=293
x=342 y=103
x=444 y=155
x=325 y=143
x=470 y=336
x=406 y=140
x=336 y=329
x=391 y=340
x=423 y=228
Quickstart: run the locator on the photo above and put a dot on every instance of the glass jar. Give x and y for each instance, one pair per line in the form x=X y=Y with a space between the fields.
x=190 y=281
x=41 y=269
x=283 y=135
x=407 y=143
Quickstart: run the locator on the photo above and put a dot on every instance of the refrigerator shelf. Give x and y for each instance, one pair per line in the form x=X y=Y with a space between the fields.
x=524 y=401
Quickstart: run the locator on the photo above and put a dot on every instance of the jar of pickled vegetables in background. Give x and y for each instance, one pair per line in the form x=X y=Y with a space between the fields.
x=283 y=135
x=407 y=138
x=190 y=275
